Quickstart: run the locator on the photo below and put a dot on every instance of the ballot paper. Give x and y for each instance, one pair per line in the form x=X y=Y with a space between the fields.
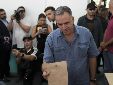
x=58 y=73
x=109 y=77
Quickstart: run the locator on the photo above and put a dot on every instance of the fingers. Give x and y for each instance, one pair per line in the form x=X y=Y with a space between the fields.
x=46 y=74
x=12 y=17
x=16 y=52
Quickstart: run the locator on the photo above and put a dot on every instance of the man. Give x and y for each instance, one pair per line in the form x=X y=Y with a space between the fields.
x=93 y=23
x=50 y=13
x=30 y=62
x=74 y=44
x=20 y=27
x=107 y=44
x=5 y=46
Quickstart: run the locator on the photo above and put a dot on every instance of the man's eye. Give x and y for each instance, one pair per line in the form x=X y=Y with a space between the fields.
x=59 y=24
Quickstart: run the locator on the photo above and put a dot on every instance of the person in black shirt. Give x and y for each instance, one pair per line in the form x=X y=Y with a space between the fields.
x=30 y=62
x=41 y=31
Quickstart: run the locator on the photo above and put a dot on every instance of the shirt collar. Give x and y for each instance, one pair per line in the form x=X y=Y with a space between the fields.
x=29 y=50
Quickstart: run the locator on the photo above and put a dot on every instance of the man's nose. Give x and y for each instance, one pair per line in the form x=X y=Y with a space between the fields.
x=64 y=26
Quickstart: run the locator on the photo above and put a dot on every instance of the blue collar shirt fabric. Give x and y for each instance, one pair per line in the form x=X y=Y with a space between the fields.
x=76 y=53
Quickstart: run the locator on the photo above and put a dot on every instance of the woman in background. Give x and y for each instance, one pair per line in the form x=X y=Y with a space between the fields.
x=41 y=31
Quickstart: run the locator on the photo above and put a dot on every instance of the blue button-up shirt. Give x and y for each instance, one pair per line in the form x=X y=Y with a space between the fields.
x=76 y=53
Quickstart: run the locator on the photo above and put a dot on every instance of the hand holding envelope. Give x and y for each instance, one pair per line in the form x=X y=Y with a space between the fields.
x=56 y=73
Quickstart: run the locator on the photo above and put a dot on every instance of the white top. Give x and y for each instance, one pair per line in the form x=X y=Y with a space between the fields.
x=18 y=33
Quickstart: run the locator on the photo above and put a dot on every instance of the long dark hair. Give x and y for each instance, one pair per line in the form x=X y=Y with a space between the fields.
x=41 y=16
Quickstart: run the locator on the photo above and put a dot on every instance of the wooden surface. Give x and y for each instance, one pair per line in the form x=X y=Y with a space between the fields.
x=109 y=77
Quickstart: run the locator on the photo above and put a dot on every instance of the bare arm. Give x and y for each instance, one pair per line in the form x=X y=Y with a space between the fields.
x=105 y=44
x=109 y=42
x=34 y=32
x=92 y=67
x=24 y=27
x=22 y=55
x=28 y=57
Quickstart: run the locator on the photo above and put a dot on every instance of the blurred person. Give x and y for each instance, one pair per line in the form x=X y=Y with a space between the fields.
x=41 y=31
x=30 y=62
x=20 y=26
x=107 y=44
x=5 y=46
x=50 y=13
x=93 y=23
x=74 y=44
x=103 y=15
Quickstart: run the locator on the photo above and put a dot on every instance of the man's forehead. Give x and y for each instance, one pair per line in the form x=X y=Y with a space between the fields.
x=49 y=11
x=65 y=17
x=27 y=40
x=65 y=14
x=2 y=13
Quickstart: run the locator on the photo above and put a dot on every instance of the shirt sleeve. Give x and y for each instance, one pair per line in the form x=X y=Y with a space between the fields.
x=48 y=51
x=92 y=51
x=35 y=53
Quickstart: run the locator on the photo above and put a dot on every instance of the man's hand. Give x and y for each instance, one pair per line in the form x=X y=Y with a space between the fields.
x=45 y=75
x=103 y=45
x=16 y=53
x=12 y=17
x=45 y=72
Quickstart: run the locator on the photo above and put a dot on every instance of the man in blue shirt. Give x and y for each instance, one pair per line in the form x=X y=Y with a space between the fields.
x=74 y=44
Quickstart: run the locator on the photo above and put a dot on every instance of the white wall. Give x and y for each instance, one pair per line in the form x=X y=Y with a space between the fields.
x=35 y=7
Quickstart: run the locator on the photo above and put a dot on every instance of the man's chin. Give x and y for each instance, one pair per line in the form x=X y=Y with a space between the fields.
x=4 y=18
x=27 y=47
x=65 y=33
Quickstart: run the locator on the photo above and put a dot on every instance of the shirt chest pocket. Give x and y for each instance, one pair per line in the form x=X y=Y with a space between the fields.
x=82 y=49
x=59 y=52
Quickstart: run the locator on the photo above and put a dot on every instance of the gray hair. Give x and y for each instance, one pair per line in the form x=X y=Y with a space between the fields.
x=60 y=10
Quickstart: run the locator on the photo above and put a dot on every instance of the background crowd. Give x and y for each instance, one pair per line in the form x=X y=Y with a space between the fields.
x=54 y=38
